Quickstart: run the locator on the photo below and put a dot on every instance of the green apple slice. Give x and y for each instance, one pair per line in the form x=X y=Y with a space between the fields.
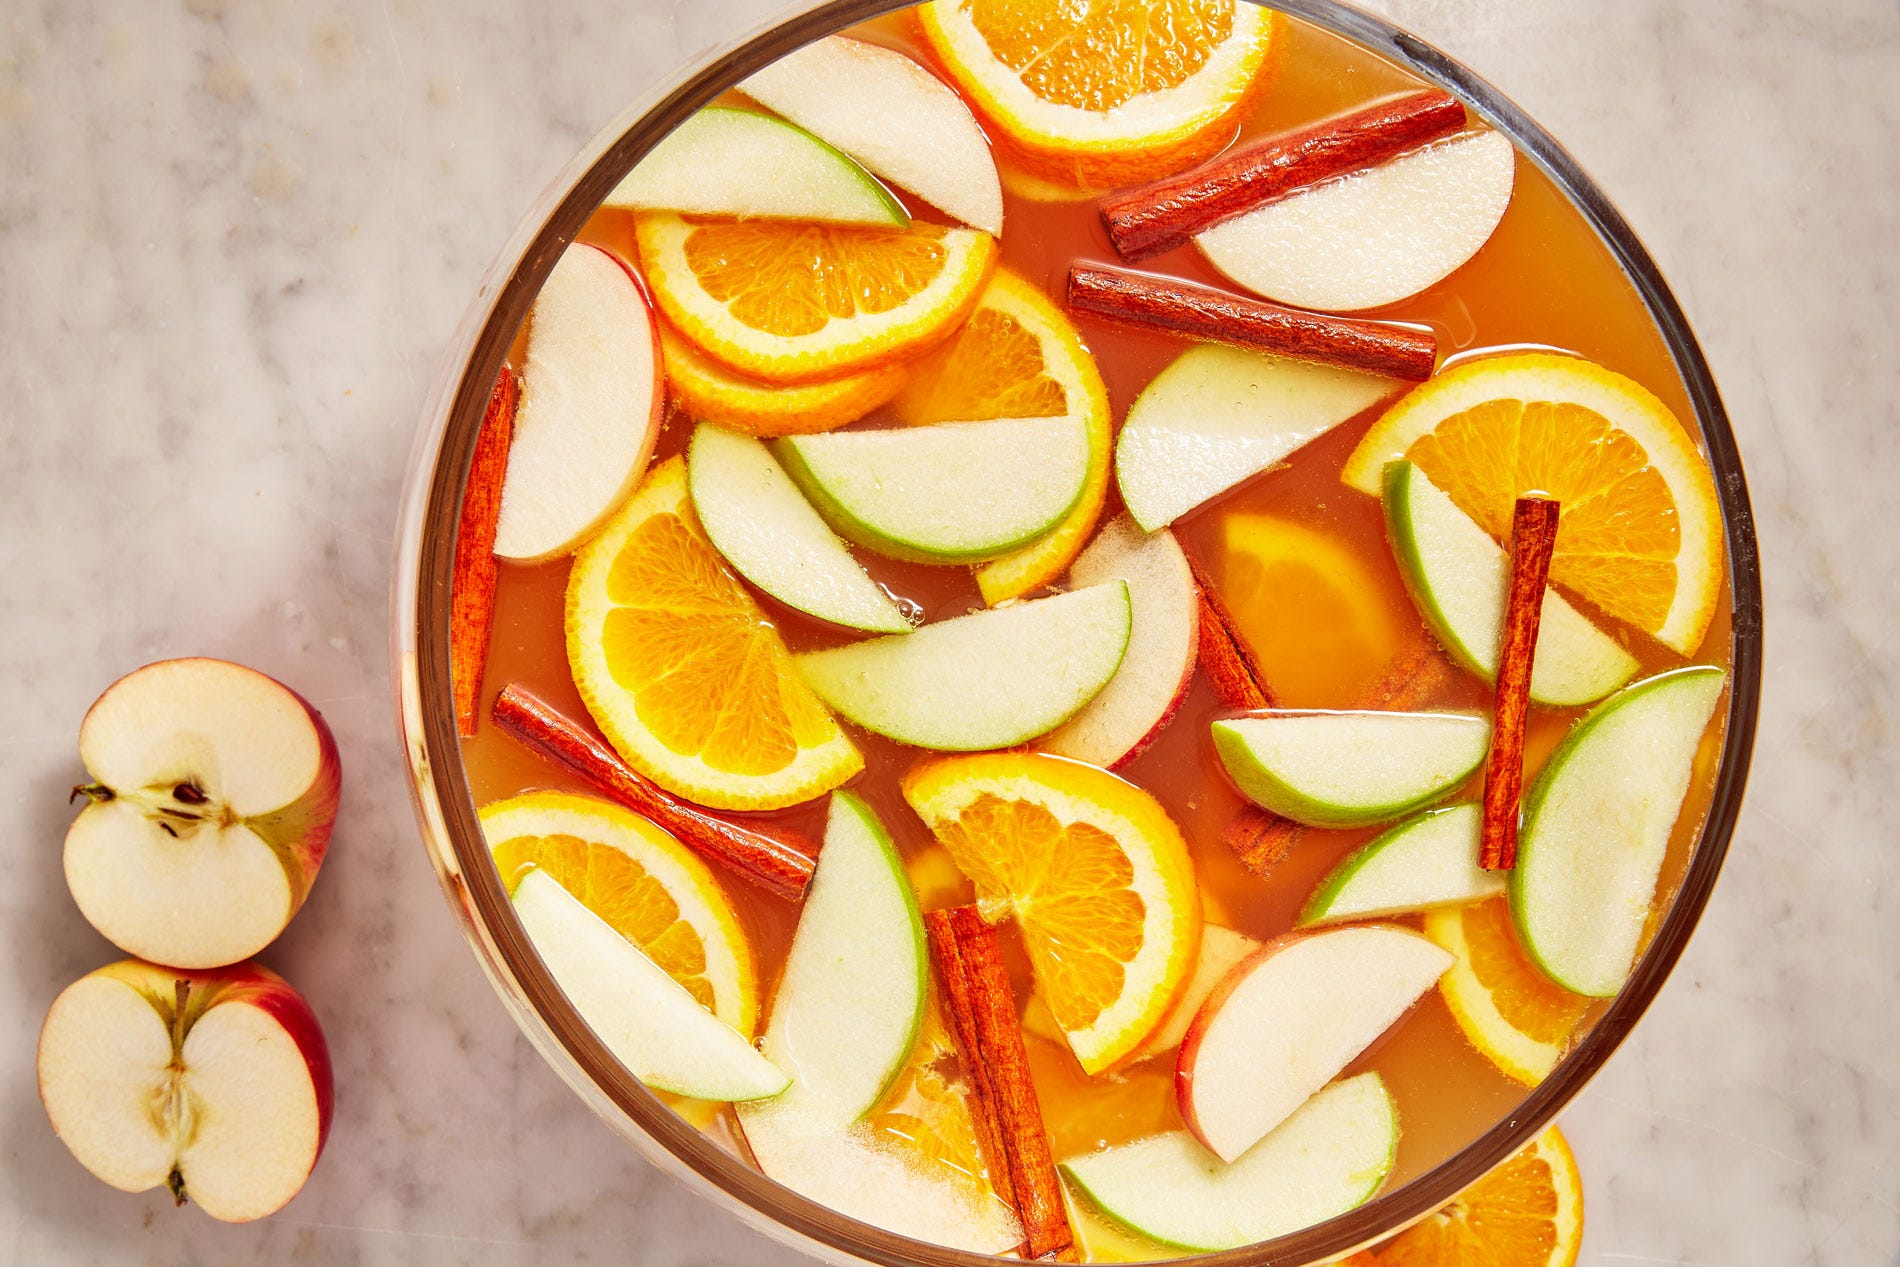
x=1219 y=415
x=852 y=995
x=652 y=1025
x=991 y=679
x=956 y=492
x=1349 y=769
x=1424 y=862
x=1597 y=825
x=725 y=161
x=1329 y=1157
x=765 y=528
x=1459 y=578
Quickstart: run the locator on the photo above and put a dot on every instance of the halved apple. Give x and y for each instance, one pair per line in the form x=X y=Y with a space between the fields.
x=1329 y=1156
x=1154 y=676
x=852 y=994
x=892 y=115
x=591 y=404
x=1459 y=577
x=1424 y=862
x=1221 y=949
x=214 y=1083
x=1597 y=825
x=1374 y=237
x=1349 y=769
x=214 y=789
x=991 y=679
x=1219 y=415
x=757 y=518
x=955 y=492
x=651 y=1023
x=1285 y=1021
x=725 y=161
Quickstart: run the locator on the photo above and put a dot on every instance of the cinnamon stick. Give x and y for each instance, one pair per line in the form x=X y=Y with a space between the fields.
x=1533 y=540
x=982 y=1009
x=472 y=592
x=1153 y=218
x=1201 y=312
x=767 y=861
x=1260 y=838
x=1225 y=656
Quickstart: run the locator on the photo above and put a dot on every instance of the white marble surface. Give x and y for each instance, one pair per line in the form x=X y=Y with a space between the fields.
x=234 y=239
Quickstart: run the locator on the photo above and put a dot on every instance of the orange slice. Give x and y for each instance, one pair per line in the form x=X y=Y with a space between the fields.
x=1526 y=1213
x=928 y=1107
x=1507 y=1008
x=1093 y=871
x=1283 y=580
x=1018 y=356
x=1106 y=92
x=793 y=300
x=684 y=674
x=709 y=392
x=646 y=885
x=1641 y=532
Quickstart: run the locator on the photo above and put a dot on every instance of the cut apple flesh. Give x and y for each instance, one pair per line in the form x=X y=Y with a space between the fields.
x=991 y=679
x=1374 y=237
x=1219 y=415
x=852 y=994
x=1597 y=825
x=1459 y=576
x=227 y=1103
x=590 y=407
x=756 y=517
x=1349 y=769
x=950 y=493
x=1328 y=1157
x=214 y=791
x=1221 y=949
x=729 y=162
x=1283 y=1023
x=651 y=1023
x=1155 y=673
x=852 y=93
x=1424 y=862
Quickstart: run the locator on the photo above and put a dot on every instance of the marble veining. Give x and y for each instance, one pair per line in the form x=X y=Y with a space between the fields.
x=236 y=238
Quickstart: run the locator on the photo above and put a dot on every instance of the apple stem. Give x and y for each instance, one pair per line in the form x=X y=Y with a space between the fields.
x=176 y=1182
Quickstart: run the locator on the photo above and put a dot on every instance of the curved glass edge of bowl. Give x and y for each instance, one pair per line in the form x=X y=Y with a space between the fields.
x=445 y=809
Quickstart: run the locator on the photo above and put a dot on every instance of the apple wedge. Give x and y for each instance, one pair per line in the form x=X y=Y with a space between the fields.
x=725 y=161
x=957 y=492
x=215 y=1084
x=852 y=994
x=991 y=679
x=1597 y=825
x=1330 y=1156
x=1349 y=769
x=756 y=517
x=1219 y=415
x=1154 y=676
x=651 y=1023
x=213 y=792
x=1285 y=1021
x=1374 y=237
x=1424 y=862
x=1458 y=577
x=892 y=115
x=591 y=404
x=1221 y=949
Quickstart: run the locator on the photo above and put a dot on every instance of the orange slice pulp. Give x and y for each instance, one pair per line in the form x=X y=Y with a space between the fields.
x=1526 y=1213
x=1507 y=1008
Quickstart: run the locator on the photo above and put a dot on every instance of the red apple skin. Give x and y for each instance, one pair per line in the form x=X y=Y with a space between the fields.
x=657 y=416
x=1161 y=723
x=243 y=984
x=1197 y=1028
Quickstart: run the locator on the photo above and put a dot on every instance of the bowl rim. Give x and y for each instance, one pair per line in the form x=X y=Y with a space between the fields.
x=424 y=557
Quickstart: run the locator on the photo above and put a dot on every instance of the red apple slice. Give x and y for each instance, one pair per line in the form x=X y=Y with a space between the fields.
x=591 y=405
x=213 y=792
x=1284 y=1022
x=1159 y=664
x=215 y=1084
